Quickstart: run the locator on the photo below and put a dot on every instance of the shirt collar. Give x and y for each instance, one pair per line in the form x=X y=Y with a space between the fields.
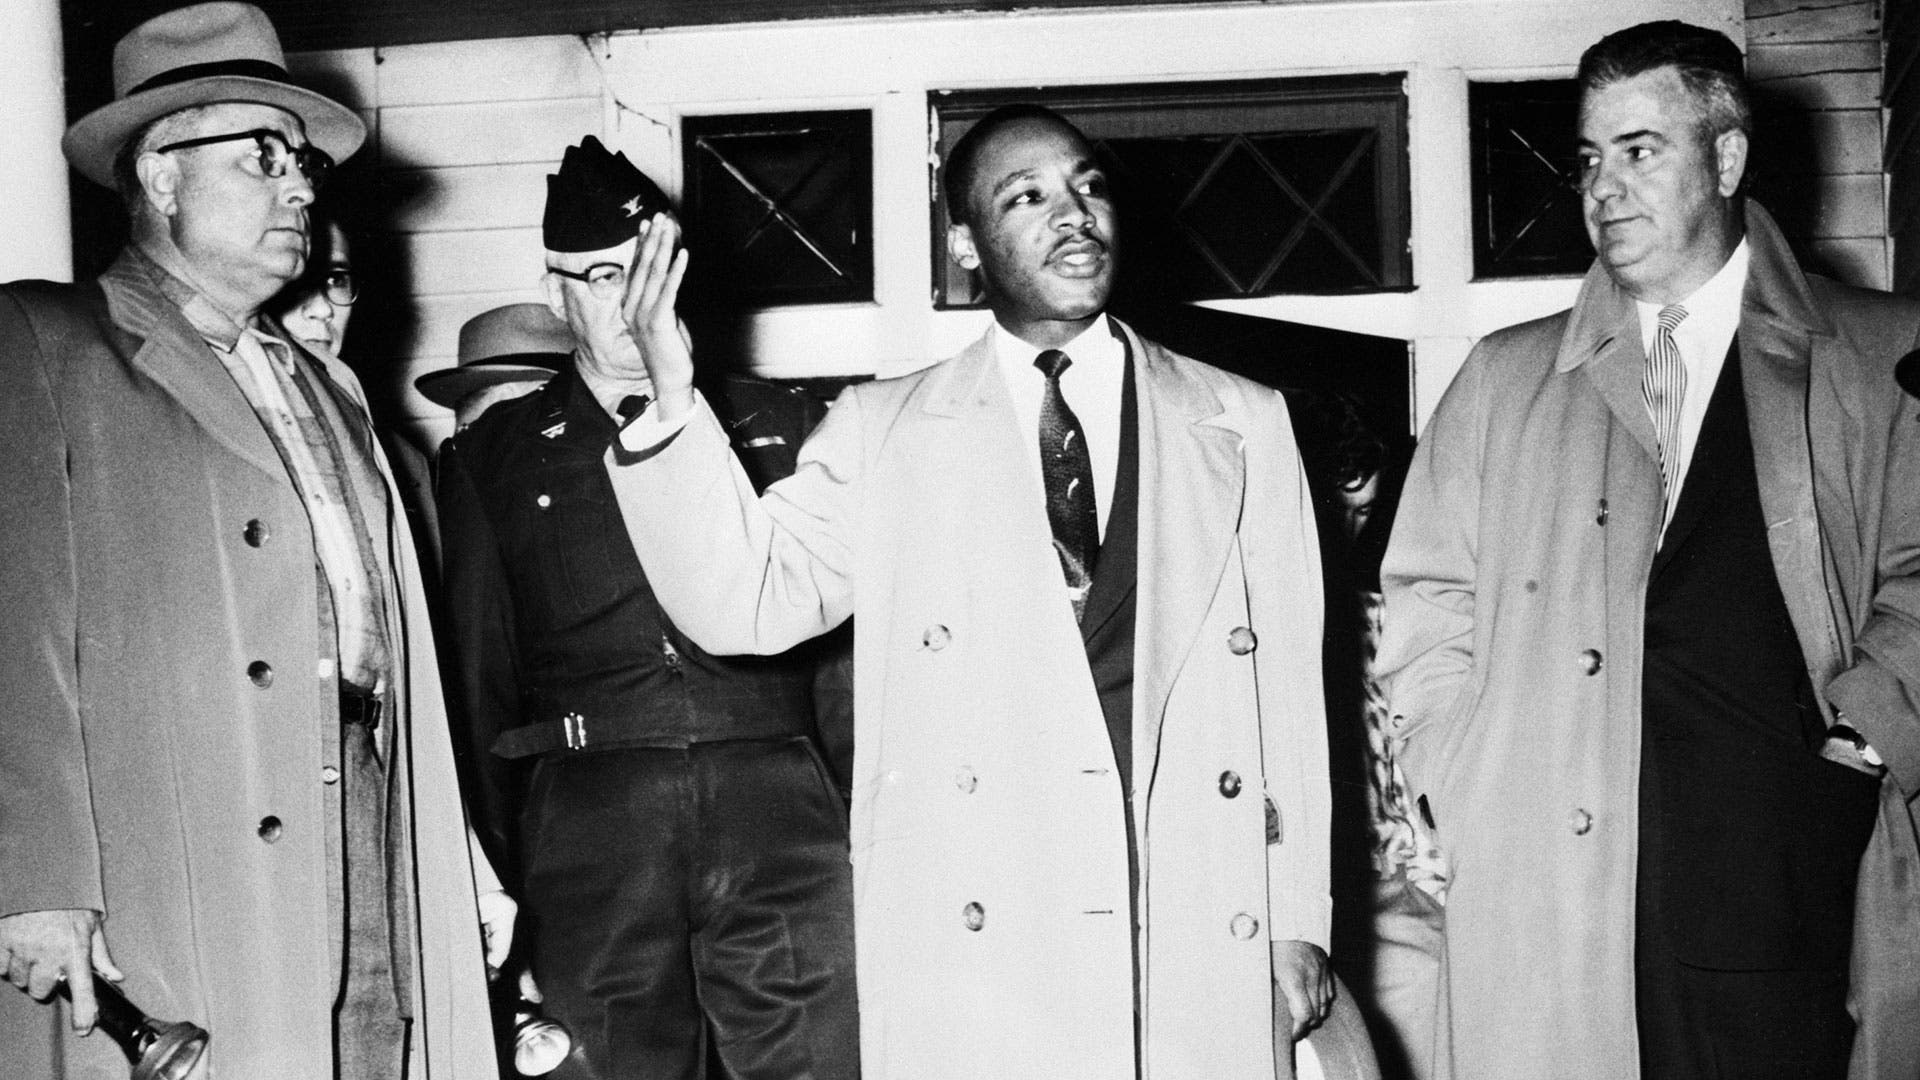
x=1713 y=310
x=171 y=276
x=609 y=393
x=1096 y=346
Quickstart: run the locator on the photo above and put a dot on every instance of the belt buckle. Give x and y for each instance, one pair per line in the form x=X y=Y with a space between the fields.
x=575 y=727
x=359 y=707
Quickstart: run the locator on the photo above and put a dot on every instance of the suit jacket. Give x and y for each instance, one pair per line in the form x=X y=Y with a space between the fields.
x=158 y=658
x=1516 y=585
x=989 y=847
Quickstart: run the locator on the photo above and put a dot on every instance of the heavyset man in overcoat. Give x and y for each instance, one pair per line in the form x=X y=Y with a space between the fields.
x=224 y=769
x=1653 y=632
x=993 y=821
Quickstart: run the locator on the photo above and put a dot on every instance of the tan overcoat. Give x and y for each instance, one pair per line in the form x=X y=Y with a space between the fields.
x=160 y=669
x=988 y=836
x=1515 y=587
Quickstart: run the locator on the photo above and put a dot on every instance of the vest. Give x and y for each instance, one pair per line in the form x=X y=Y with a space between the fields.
x=1749 y=840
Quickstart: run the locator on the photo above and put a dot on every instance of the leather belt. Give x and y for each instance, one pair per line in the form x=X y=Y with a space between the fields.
x=361 y=707
x=576 y=732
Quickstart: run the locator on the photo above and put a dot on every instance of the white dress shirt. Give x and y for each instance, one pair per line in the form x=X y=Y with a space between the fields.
x=1092 y=386
x=1703 y=338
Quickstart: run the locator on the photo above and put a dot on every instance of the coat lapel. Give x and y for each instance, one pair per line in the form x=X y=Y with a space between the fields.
x=177 y=360
x=1603 y=337
x=1780 y=331
x=1192 y=484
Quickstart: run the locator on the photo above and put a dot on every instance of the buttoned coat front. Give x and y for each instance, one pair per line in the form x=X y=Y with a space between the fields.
x=160 y=659
x=1516 y=584
x=988 y=836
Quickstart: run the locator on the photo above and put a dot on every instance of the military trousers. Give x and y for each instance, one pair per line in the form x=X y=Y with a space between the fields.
x=693 y=904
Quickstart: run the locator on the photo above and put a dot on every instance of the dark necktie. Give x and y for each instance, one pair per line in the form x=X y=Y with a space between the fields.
x=631 y=406
x=1067 y=468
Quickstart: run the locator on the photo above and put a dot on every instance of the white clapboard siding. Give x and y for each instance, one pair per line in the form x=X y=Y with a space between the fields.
x=1826 y=20
x=1901 y=97
x=1819 y=68
x=485 y=133
x=470 y=261
x=510 y=69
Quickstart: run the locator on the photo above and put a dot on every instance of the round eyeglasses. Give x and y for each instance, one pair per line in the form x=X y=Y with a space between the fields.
x=340 y=285
x=274 y=151
x=606 y=280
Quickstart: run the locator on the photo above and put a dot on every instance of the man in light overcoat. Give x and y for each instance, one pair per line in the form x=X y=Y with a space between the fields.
x=225 y=778
x=1090 y=783
x=1653 y=632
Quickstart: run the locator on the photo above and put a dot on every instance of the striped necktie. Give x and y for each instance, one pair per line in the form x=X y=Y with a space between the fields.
x=1067 y=469
x=1664 y=385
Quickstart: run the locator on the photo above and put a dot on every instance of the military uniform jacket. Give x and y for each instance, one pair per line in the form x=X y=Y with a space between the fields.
x=556 y=630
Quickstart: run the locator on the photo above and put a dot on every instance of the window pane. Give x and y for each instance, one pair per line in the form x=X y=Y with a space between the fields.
x=778 y=206
x=1233 y=189
x=1526 y=212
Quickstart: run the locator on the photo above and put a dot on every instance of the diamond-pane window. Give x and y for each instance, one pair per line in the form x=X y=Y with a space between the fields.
x=1232 y=189
x=779 y=206
x=1526 y=208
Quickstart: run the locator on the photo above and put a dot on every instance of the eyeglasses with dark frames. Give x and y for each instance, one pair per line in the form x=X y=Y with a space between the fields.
x=275 y=152
x=340 y=285
x=606 y=280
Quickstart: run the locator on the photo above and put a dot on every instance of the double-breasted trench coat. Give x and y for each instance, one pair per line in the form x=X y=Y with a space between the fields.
x=1516 y=585
x=988 y=836
x=160 y=665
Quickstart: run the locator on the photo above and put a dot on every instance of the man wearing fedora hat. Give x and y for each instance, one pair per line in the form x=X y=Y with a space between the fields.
x=505 y=353
x=222 y=778
x=682 y=847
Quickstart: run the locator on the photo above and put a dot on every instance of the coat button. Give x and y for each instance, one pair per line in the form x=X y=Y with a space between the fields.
x=1601 y=517
x=269 y=828
x=1229 y=783
x=256 y=533
x=261 y=673
x=1590 y=661
x=1244 y=926
x=1242 y=641
x=974 y=916
x=1580 y=822
x=329 y=775
x=543 y=501
x=936 y=637
x=965 y=780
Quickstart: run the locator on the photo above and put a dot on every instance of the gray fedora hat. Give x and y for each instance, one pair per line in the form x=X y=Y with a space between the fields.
x=202 y=55
x=514 y=343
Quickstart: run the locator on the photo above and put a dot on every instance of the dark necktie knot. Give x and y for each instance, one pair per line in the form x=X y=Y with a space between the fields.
x=632 y=405
x=1052 y=362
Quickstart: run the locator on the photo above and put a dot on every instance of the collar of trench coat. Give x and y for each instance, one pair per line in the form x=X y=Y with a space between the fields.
x=1781 y=330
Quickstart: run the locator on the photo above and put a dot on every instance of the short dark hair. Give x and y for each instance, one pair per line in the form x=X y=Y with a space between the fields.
x=1709 y=65
x=957 y=175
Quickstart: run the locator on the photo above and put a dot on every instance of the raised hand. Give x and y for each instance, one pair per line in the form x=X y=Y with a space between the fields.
x=653 y=289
